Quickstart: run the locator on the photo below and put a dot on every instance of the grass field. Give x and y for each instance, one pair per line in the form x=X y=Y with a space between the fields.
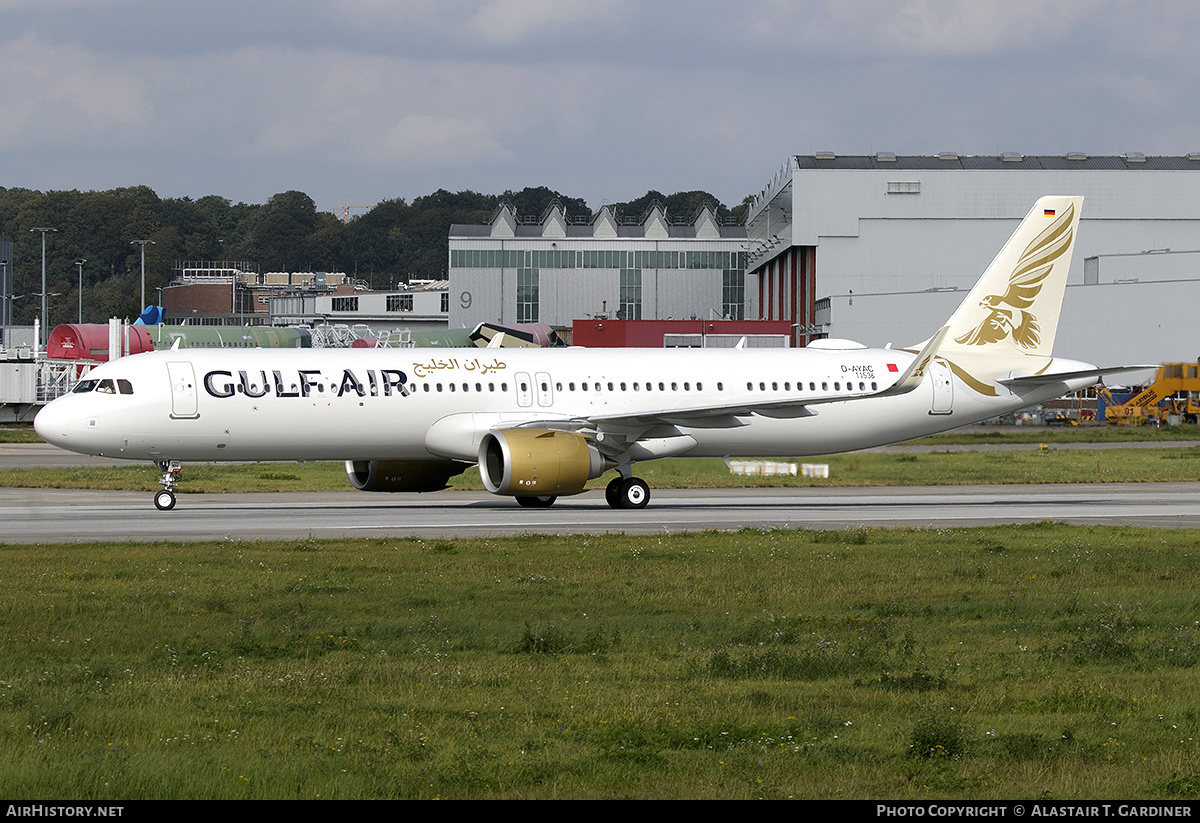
x=859 y=469
x=1042 y=661
x=1047 y=465
x=1097 y=433
x=1032 y=662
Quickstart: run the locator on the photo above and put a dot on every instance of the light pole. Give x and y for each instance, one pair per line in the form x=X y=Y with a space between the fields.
x=45 y=335
x=142 y=243
x=45 y=310
x=80 y=264
x=6 y=309
x=12 y=299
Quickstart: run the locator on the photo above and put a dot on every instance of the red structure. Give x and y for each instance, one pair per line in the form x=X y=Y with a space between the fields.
x=89 y=341
x=787 y=291
x=652 y=334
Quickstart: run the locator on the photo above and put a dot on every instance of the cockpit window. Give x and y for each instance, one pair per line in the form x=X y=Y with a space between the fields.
x=110 y=386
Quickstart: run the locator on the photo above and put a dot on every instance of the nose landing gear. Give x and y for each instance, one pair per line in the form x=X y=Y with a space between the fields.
x=165 y=499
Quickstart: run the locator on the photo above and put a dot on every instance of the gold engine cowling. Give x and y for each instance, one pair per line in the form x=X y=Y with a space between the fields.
x=538 y=462
x=402 y=475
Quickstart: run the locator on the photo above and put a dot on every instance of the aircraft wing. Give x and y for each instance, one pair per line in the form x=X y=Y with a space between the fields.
x=727 y=416
x=697 y=417
x=731 y=415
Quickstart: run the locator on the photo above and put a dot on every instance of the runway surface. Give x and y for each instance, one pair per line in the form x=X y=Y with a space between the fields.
x=61 y=515
x=64 y=515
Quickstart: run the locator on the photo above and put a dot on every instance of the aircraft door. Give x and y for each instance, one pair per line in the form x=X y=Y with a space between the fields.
x=524 y=389
x=545 y=389
x=183 y=391
x=943 y=388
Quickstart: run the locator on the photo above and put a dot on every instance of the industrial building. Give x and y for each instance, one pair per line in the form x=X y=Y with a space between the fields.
x=655 y=266
x=234 y=293
x=883 y=248
x=420 y=305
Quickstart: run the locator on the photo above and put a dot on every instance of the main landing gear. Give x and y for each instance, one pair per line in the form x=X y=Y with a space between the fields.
x=165 y=499
x=627 y=493
x=621 y=493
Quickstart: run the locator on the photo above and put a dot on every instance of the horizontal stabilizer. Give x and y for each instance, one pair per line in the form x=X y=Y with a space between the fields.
x=1059 y=377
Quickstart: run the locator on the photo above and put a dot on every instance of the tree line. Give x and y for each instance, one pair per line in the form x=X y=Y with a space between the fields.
x=396 y=240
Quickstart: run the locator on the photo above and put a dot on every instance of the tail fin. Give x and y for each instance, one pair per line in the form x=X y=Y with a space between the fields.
x=1014 y=307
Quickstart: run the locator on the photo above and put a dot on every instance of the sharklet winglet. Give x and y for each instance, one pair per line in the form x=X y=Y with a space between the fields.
x=917 y=369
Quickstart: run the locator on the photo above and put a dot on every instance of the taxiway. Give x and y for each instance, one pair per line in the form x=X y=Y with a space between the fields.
x=64 y=515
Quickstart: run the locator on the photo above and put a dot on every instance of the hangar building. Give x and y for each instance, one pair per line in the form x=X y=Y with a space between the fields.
x=552 y=270
x=883 y=248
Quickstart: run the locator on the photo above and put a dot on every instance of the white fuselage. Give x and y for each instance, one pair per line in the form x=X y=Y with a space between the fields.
x=418 y=404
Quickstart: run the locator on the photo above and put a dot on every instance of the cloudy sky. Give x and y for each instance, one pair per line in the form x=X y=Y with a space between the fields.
x=361 y=100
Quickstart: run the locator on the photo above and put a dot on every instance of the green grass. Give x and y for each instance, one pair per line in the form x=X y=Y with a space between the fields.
x=857 y=469
x=19 y=434
x=1040 y=661
x=1096 y=433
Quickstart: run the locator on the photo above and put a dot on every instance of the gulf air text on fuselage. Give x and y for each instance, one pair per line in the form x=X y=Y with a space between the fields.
x=303 y=382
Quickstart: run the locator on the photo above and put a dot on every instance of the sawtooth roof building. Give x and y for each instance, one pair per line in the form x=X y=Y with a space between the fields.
x=554 y=270
x=882 y=248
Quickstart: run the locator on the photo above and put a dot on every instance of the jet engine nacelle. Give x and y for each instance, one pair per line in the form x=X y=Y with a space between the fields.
x=402 y=475
x=538 y=462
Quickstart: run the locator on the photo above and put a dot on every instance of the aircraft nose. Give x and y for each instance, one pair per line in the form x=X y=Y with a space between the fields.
x=51 y=423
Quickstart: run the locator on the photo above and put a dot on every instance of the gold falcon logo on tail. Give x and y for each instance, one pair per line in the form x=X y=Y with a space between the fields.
x=1009 y=314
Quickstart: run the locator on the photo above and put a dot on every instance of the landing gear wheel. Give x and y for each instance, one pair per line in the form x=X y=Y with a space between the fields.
x=165 y=499
x=612 y=492
x=543 y=502
x=634 y=493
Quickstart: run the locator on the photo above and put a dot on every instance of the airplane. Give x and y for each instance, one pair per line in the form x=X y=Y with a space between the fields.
x=541 y=423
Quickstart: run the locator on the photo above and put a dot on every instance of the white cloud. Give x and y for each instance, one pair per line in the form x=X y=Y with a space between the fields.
x=919 y=27
x=597 y=99
x=56 y=95
x=512 y=21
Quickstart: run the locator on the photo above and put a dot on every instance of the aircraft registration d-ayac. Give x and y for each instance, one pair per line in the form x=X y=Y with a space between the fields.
x=540 y=423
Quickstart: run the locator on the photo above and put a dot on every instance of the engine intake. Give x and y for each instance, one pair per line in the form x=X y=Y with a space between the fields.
x=402 y=475
x=538 y=462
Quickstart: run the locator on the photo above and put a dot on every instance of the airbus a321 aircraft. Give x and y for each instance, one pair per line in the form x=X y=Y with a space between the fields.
x=540 y=423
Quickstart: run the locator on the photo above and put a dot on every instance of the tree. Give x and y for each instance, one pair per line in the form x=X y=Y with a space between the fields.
x=277 y=234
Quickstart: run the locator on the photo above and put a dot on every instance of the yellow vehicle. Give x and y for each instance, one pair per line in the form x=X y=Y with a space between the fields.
x=1175 y=390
